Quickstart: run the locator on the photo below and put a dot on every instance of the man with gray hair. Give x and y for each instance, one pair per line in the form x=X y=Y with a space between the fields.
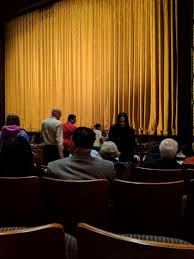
x=167 y=160
x=52 y=133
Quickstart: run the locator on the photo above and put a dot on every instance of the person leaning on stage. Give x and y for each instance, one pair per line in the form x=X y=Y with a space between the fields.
x=52 y=133
x=80 y=165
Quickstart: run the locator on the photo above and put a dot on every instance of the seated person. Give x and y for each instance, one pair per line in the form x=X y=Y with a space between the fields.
x=167 y=160
x=98 y=133
x=109 y=151
x=12 y=127
x=16 y=158
x=81 y=166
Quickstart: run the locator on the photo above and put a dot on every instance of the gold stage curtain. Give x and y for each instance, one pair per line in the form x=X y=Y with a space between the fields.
x=95 y=58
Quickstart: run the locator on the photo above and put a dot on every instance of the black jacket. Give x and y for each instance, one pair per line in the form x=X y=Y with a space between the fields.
x=124 y=138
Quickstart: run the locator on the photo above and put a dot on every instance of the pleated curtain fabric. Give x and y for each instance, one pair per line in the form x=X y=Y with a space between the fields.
x=95 y=58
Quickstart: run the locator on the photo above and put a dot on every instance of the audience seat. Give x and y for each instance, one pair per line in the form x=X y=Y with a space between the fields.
x=148 y=208
x=20 y=201
x=123 y=170
x=69 y=202
x=99 y=244
x=45 y=242
x=141 y=174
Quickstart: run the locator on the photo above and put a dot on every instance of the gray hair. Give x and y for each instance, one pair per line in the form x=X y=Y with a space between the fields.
x=168 y=148
x=109 y=150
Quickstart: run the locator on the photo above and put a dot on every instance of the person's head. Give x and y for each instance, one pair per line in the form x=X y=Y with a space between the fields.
x=56 y=112
x=97 y=126
x=13 y=119
x=122 y=120
x=83 y=138
x=168 y=148
x=72 y=118
x=109 y=150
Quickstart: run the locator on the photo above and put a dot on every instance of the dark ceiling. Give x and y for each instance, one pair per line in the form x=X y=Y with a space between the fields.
x=12 y=8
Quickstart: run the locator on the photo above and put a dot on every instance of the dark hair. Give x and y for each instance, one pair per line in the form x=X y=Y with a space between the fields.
x=124 y=115
x=84 y=137
x=71 y=117
x=13 y=119
x=97 y=125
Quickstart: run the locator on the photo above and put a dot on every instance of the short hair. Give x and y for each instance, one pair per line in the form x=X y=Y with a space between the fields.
x=71 y=117
x=84 y=137
x=13 y=119
x=168 y=148
x=97 y=125
x=109 y=150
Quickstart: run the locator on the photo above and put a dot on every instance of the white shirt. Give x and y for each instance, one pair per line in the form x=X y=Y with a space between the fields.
x=52 y=133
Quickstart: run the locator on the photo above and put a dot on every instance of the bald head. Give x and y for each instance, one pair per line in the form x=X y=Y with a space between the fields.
x=168 y=148
x=56 y=112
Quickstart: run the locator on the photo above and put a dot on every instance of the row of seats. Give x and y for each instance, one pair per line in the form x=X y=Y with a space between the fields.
x=49 y=242
x=123 y=206
x=140 y=174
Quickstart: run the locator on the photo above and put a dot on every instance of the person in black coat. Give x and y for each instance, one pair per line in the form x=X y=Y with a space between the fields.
x=124 y=137
x=16 y=158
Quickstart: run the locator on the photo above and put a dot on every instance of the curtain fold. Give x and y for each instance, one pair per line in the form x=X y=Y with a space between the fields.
x=95 y=58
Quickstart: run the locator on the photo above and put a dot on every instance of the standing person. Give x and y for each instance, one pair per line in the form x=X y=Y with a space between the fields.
x=68 y=130
x=124 y=137
x=52 y=133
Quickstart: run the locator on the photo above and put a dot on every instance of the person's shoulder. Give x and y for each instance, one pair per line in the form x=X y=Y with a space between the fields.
x=104 y=163
x=113 y=127
x=45 y=120
x=56 y=163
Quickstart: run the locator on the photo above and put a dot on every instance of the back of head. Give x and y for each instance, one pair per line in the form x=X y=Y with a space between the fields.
x=56 y=112
x=72 y=118
x=97 y=126
x=84 y=138
x=13 y=119
x=109 y=150
x=168 y=148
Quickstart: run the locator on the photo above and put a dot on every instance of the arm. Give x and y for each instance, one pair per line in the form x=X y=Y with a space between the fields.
x=111 y=135
x=59 y=140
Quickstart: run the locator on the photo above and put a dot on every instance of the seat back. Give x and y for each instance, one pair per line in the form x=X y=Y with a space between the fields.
x=20 y=201
x=45 y=242
x=70 y=202
x=95 y=243
x=123 y=170
x=151 y=208
x=149 y=175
